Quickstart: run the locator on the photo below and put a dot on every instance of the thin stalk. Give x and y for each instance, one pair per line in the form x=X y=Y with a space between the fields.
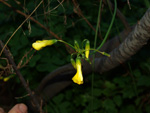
x=19 y=27
x=108 y=31
x=96 y=33
x=110 y=26
x=133 y=79
x=66 y=43
x=114 y=22
x=103 y=53
x=98 y=21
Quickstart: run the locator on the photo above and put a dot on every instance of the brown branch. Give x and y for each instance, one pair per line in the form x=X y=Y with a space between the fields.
x=119 y=14
x=19 y=3
x=129 y=4
x=18 y=73
x=67 y=71
x=79 y=12
x=21 y=64
x=134 y=41
x=70 y=50
x=41 y=25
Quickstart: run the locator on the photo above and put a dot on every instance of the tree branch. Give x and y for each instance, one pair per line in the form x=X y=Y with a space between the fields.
x=67 y=71
x=70 y=50
x=18 y=73
x=131 y=44
x=79 y=12
x=135 y=40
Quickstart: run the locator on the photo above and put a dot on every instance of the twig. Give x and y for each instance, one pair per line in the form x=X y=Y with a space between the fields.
x=20 y=65
x=70 y=50
x=119 y=14
x=19 y=3
x=19 y=25
x=129 y=4
x=18 y=73
x=79 y=12
x=60 y=3
x=41 y=25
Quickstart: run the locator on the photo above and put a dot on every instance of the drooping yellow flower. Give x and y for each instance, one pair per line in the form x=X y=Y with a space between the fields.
x=87 y=49
x=78 y=78
x=5 y=79
x=38 y=45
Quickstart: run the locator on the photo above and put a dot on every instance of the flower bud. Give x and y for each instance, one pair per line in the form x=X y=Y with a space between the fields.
x=87 y=49
x=76 y=45
x=73 y=63
x=38 y=45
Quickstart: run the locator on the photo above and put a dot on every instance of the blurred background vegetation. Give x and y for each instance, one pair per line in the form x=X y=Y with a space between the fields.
x=124 y=89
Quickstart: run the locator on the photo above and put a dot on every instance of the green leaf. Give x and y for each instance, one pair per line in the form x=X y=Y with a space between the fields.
x=57 y=60
x=143 y=81
x=35 y=31
x=109 y=105
x=128 y=109
x=110 y=85
x=63 y=107
x=137 y=73
x=58 y=99
x=147 y=108
x=97 y=92
x=24 y=40
x=128 y=92
x=118 y=100
x=68 y=95
x=120 y=82
x=85 y=111
x=138 y=101
x=97 y=104
x=34 y=60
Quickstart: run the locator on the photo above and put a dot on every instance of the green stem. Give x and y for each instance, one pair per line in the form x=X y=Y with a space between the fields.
x=66 y=43
x=98 y=21
x=103 y=53
x=133 y=79
x=110 y=26
x=83 y=42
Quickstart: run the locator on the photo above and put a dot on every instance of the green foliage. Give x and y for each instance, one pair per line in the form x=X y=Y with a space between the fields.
x=122 y=90
x=109 y=95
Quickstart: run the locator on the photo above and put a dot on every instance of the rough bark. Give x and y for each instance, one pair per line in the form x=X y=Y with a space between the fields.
x=135 y=40
x=46 y=89
x=119 y=54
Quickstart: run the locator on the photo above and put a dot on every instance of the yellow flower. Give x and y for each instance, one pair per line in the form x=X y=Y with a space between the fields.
x=87 y=49
x=6 y=79
x=40 y=44
x=78 y=78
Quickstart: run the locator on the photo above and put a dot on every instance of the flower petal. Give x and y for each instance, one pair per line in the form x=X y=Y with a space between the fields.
x=78 y=78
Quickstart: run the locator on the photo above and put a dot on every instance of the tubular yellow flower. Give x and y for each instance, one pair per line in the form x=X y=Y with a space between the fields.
x=6 y=79
x=87 y=49
x=78 y=78
x=38 y=45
